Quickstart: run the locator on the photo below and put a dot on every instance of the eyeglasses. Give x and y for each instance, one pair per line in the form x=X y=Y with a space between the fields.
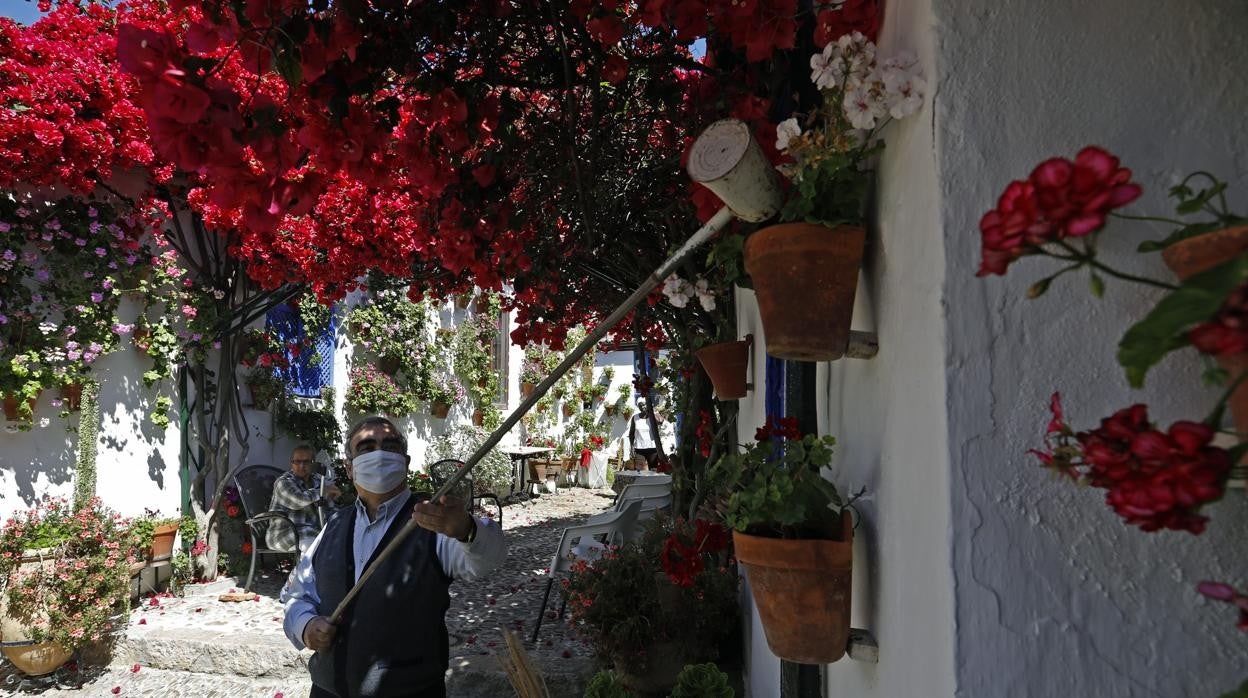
x=302 y=461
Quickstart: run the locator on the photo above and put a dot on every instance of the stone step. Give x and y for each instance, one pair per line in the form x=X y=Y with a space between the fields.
x=187 y=684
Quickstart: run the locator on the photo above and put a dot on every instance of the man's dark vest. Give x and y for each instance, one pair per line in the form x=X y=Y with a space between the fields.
x=392 y=639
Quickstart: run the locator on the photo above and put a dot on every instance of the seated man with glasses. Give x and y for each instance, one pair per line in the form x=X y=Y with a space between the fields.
x=298 y=494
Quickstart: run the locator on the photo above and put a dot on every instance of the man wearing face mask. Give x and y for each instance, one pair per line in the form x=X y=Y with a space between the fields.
x=392 y=640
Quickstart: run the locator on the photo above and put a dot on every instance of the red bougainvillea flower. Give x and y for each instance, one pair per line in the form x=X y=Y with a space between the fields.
x=1225 y=334
x=851 y=16
x=1228 y=594
x=1153 y=479
x=1060 y=199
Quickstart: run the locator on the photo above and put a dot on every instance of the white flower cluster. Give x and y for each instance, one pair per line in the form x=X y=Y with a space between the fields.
x=870 y=92
x=679 y=292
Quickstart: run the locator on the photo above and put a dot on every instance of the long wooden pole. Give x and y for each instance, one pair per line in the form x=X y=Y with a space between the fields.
x=729 y=162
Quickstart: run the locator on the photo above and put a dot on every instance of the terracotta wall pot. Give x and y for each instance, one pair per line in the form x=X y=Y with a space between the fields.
x=805 y=277
x=261 y=396
x=802 y=591
x=439 y=410
x=12 y=407
x=568 y=410
x=526 y=389
x=726 y=363
x=162 y=542
x=37 y=660
x=71 y=396
x=1202 y=253
x=478 y=418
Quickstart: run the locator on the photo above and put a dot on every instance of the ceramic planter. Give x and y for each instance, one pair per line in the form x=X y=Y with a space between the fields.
x=526 y=390
x=37 y=660
x=1202 y=253
x=71 y=396
x=802 y=591
x=568 y=410
x=439 y=409
x=478 y=418
x=12 y=407
x=805 y=277
x=726 y=364
x=162 y=542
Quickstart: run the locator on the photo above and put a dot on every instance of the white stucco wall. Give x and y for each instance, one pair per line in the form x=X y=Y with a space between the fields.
x=1053 y=595
x=136 y=462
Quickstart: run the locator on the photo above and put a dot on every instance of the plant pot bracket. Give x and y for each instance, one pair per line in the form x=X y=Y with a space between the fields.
x=862 y=345
x=862 y=646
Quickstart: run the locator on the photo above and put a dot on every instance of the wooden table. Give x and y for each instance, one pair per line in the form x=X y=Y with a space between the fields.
x=520 y=460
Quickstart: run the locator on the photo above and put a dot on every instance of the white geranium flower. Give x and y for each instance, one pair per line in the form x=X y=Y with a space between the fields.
x=678 y=291
x=856 y=61
x=825 y=67
x=903 y=85
x=862 y=108
x=703 y=291
x=47 y=327
x=786 y=131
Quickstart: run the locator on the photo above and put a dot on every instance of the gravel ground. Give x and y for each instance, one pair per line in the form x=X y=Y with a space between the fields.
x=197 y=646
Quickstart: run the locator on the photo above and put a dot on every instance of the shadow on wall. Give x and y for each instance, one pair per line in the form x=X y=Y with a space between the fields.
x=41 y=462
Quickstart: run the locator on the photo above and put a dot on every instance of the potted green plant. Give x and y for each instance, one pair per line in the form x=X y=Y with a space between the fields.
x=606 y=684
x=264 y=385
x=531 y=372
x=370 y=391
x=649 y=607
x=316 y=426
x=64 y=574
x=445 y=391
x=805 y=270
x=793 y=535
x=21 y=381
x=702 y=681
x=154 y=535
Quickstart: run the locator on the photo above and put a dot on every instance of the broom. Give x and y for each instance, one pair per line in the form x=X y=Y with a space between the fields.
x=728 y=161
x=524 y=677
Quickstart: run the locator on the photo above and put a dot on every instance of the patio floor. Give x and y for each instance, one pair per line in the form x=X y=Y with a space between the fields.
x=201 y=647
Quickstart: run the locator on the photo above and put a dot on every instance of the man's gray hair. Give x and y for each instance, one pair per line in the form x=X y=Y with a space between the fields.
x=373 y=421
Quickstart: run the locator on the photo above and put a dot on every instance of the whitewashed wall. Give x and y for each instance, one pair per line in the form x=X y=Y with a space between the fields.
x=979 y=575
x=136 y=463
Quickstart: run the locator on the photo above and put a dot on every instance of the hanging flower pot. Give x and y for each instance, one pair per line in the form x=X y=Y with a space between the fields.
x=463 y=300
x=13 y=407
x=261 y=395
x=478 y=418
x=1201 y=253
x=609 y=410
x=802 y=591
x=388 y=365
x=439 y=409
x=726 y=364
x=71 y=396
x=805 y=277
x=139 y=337
x=568 y=409
x=526 y=390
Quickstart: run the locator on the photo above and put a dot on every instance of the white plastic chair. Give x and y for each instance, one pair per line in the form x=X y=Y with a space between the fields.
x=652 y=495
x=580 y=543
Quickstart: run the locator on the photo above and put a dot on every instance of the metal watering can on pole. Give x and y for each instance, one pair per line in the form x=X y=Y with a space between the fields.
x=728 y=161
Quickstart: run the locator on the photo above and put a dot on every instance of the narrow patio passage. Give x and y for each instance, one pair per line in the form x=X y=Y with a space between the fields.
x=198 y=647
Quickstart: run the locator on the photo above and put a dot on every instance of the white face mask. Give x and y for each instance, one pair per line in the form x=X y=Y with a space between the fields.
x=379 y=471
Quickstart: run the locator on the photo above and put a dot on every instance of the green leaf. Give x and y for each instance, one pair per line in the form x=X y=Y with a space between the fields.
x=1194 y=204
x=1098 y=285
x=1165 y=328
